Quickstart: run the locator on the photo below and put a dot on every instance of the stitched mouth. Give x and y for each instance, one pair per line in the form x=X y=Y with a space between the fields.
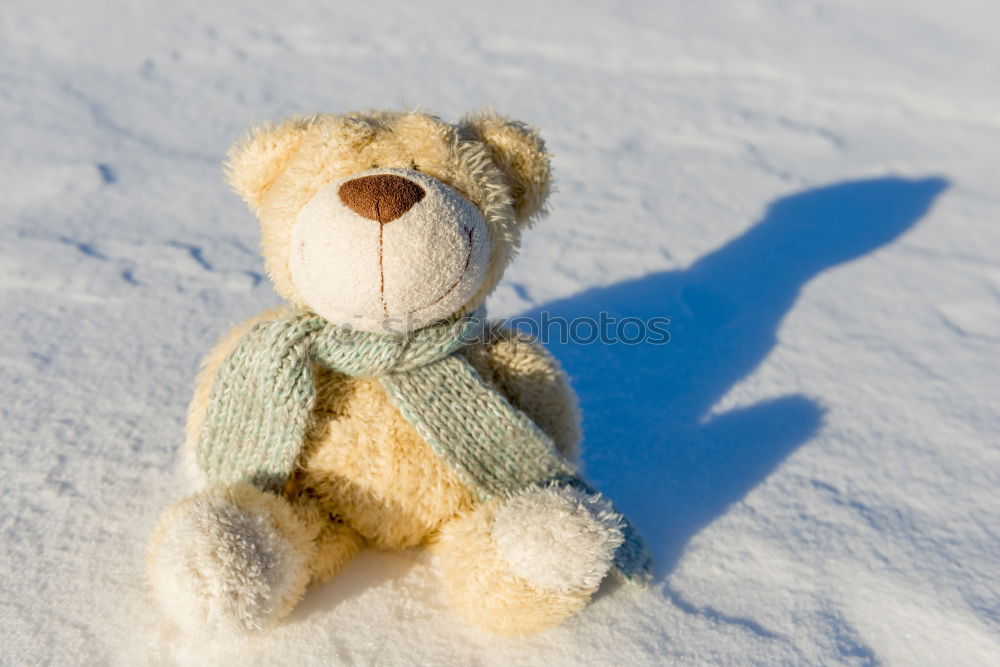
x=469 y=233
x=458 y=280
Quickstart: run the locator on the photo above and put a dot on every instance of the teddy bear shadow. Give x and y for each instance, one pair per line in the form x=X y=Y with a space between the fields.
x=652 y=441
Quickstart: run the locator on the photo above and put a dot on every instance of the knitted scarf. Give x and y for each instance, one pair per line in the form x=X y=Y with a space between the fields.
x=264 y=392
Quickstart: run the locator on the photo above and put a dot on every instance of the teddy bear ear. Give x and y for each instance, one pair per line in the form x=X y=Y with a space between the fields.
x=519 y=152
x=255 y=161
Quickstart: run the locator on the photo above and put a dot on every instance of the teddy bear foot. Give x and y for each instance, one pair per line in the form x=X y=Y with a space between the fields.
x=230 y=560
x=531 y=561
x=558 y=538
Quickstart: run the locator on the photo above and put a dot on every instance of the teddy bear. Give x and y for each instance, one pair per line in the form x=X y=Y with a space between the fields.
x=379 y=407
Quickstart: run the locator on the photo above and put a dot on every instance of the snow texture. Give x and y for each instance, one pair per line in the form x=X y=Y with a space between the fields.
x=808 y=190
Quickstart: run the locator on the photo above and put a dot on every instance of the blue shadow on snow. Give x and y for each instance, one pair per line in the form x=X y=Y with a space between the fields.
x=649 y=442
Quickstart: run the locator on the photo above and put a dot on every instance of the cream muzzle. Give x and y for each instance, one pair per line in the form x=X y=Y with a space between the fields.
x=388 y=250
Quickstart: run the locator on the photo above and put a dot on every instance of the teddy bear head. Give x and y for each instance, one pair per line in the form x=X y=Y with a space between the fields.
x=387 y=221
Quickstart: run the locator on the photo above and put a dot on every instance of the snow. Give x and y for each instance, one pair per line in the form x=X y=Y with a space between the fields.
x=808 y=191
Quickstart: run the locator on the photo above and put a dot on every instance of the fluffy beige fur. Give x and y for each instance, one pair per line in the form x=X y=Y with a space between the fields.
x=366 y=477
x=277 y=169
x=234 y=558
x=482 y=587
x=557 y=538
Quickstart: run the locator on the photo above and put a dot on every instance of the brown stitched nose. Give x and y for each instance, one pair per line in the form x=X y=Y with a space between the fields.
x=381 y=197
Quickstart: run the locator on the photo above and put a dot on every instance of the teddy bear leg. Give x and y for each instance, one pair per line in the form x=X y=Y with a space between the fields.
x=528 y=562
x=336 y=545
x=232 y=558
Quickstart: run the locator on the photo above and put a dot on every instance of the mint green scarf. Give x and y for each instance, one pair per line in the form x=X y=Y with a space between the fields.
x=264 y=392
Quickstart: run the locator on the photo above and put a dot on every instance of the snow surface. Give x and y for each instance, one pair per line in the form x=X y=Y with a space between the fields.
x=808 y=190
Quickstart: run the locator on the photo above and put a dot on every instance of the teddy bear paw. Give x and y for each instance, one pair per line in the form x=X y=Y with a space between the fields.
x=217 y=565
x=558 y=538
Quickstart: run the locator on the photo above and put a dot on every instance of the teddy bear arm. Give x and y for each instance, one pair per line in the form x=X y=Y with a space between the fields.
x=534 y=382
